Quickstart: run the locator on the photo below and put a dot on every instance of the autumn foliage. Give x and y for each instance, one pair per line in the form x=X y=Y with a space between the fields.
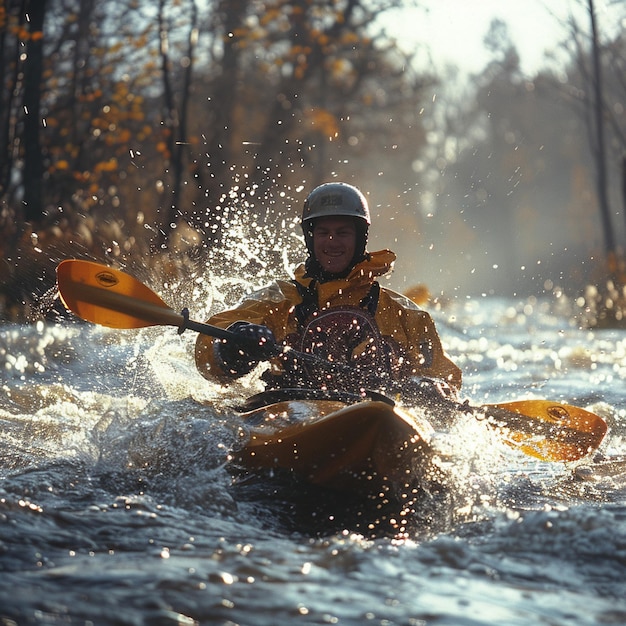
x=130 y=128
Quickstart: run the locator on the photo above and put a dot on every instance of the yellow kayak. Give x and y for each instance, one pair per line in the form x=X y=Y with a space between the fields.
x=358 y=447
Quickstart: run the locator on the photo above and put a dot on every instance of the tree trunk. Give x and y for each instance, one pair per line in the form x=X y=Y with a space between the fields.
x=175 y=122
x=33 y=158
x=601 y=169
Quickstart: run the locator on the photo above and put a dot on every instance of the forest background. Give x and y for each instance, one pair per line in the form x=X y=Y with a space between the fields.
x=180 y=137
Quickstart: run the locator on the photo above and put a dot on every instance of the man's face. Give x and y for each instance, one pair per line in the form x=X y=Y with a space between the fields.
x=334 y=243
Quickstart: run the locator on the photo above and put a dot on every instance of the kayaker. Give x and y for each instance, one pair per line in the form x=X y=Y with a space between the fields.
x=360 y=335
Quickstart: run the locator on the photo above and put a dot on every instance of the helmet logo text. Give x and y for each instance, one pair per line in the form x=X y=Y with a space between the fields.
x=331 y=200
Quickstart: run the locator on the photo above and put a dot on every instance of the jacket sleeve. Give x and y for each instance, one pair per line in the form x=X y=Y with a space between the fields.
x=424 y=350
x=415 y=332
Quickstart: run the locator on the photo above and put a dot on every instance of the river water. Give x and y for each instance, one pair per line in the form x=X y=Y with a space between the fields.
x=118 y=505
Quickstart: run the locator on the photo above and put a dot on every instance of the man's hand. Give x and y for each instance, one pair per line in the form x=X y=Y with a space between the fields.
x=257 y=341
x=250 y=344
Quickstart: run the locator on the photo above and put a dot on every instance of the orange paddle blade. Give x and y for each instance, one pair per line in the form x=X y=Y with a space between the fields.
x=109 y=297
x=554 y=432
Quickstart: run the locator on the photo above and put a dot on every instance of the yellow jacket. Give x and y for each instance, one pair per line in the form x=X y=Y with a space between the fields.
x=399 y=321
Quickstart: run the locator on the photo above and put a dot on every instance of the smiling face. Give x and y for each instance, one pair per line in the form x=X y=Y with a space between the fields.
x=334 y=243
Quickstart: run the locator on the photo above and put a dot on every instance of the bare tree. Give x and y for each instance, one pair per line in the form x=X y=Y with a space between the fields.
x=22 y=105
x=10 y=73
x=33 y=159
x=599 y=132
x=175 y=114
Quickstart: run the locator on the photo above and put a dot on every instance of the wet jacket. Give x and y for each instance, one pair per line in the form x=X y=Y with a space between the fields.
x=411 y=344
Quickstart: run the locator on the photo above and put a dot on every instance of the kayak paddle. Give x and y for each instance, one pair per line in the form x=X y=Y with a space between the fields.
x=547 y=430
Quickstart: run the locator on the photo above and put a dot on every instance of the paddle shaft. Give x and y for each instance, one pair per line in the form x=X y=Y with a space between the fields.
x=109 y=297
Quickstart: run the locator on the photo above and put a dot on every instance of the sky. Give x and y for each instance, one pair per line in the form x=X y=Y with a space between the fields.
x=451 y=33
x=453 y=30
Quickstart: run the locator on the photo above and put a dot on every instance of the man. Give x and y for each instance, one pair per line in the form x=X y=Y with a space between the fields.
x=333 y=327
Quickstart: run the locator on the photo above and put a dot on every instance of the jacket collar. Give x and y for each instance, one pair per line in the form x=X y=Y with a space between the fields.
x=374 y=265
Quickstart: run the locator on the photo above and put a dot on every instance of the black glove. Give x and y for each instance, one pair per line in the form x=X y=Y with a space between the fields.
x=252 y=343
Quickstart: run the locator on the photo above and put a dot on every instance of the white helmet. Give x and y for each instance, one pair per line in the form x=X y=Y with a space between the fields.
x=335 y=199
